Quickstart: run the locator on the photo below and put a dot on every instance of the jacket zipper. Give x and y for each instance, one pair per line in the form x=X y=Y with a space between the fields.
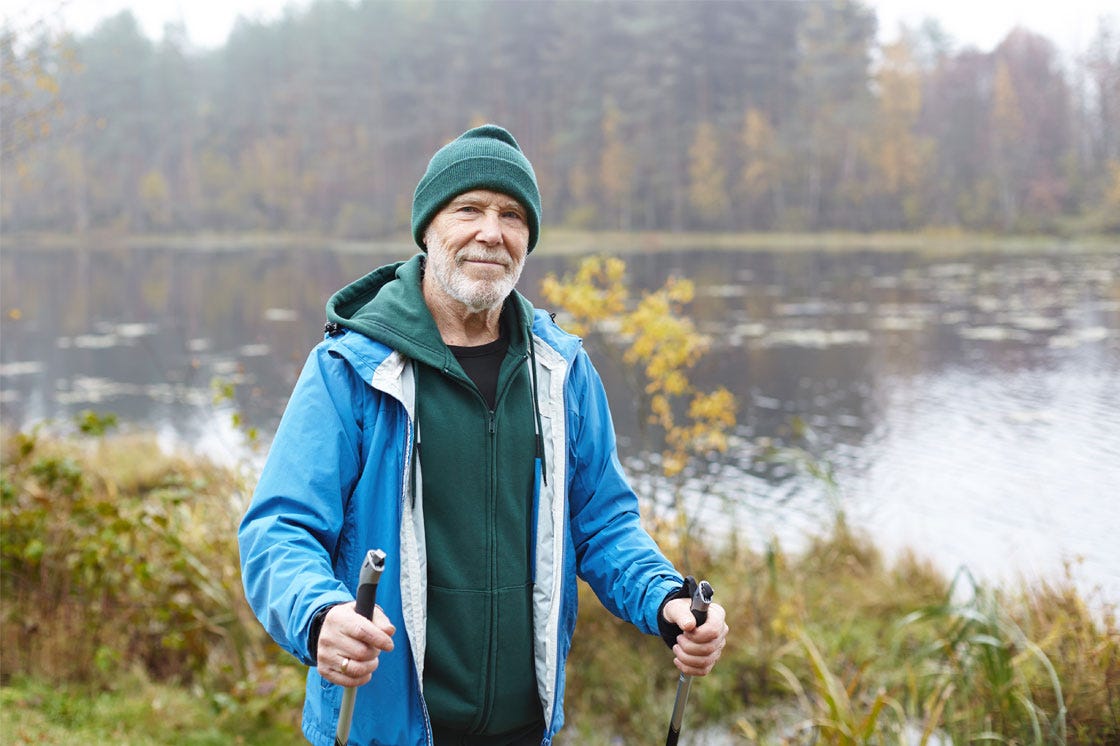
x=491 y=431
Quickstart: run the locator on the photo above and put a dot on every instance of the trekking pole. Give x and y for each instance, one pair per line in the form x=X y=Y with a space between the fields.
x=701 y=599
x=370 y=573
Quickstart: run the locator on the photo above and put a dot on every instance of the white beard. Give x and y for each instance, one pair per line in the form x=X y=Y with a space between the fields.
x=476 y=295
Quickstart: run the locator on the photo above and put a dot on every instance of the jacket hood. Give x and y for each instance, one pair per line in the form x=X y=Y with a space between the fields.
x=387 y=305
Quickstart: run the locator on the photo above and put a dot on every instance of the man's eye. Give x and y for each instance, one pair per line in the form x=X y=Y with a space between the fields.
x=512 y=215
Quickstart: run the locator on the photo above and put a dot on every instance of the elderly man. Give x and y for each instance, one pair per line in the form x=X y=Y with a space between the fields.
x=448 y=422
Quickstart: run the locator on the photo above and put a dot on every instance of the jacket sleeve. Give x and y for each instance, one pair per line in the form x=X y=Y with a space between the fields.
x=289 y=535
x=614 y=554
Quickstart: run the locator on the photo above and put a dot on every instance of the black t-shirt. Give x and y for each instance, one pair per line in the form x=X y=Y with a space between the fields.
x=482 y=363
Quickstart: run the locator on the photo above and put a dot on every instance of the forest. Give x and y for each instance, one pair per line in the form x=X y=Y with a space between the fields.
x=638 y=116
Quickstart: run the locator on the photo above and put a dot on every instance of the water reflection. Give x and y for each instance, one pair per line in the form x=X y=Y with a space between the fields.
x=968 y=407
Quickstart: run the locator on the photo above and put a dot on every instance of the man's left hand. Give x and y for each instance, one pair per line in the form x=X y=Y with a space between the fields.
x=697 y=648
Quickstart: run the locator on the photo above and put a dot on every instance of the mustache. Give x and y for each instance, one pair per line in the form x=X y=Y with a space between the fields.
x=481 y=255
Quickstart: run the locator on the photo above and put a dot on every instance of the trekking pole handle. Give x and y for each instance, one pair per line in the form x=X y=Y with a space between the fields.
x=701 y=599
x=366 y=601
x=368 y=577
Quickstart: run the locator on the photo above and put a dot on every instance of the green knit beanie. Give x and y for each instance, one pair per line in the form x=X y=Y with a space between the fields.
x=485 y=157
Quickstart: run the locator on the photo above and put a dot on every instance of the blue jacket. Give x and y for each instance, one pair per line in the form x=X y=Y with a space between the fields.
x=340 y=479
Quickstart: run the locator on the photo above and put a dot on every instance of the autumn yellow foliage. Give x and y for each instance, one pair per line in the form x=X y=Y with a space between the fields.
x=661 y=342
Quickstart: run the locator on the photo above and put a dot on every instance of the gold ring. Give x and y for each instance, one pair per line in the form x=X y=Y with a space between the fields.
x=345 y=664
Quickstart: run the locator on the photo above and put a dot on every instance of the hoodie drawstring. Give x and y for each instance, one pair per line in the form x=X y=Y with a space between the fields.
x=538 y=429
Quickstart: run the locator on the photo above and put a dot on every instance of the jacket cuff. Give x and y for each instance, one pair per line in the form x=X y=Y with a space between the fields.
x=313 y=633
x=668 y=630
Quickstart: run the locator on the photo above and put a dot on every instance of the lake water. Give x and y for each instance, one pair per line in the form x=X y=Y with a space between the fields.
x=968 y=406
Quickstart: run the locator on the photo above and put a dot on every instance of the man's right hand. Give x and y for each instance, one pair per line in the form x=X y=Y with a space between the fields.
x=349 y=644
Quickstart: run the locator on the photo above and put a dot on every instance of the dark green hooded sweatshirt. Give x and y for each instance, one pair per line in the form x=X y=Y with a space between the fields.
x=478 y=467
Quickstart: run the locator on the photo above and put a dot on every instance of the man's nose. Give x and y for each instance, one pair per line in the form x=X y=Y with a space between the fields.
x=490 y=227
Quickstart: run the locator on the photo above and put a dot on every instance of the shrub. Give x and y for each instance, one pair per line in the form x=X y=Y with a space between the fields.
x=119 y=557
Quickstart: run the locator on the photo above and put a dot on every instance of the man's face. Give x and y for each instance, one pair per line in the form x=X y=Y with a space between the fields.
x=476 y=248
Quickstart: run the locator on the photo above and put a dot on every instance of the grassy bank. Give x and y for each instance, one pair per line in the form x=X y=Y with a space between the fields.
x=577 y=242
x=130 y=710
x=123 y=622
x=834 y=641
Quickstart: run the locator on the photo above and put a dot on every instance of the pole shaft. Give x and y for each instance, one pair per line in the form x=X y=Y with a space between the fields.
x=368 y=578
x=684 y=686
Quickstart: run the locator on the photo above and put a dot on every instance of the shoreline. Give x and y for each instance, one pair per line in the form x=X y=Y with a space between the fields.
x=566 y=242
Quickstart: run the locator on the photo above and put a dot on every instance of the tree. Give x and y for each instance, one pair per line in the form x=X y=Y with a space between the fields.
x=760 y=181
x=33 y=113
x=834 y=41
x=1044 y=148
x=1008 y=126
x=707 y=190
x=155 y=201
x=900 y=154
x=955 y=115
x=1099 y=151
x=29 y=100
x=615 y=167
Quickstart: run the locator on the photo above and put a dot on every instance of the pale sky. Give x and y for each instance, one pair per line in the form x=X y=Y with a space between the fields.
x=1071 y=24
x=208 y=22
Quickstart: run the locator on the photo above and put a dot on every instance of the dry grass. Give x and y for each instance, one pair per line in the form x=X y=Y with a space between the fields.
x=117 y=557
